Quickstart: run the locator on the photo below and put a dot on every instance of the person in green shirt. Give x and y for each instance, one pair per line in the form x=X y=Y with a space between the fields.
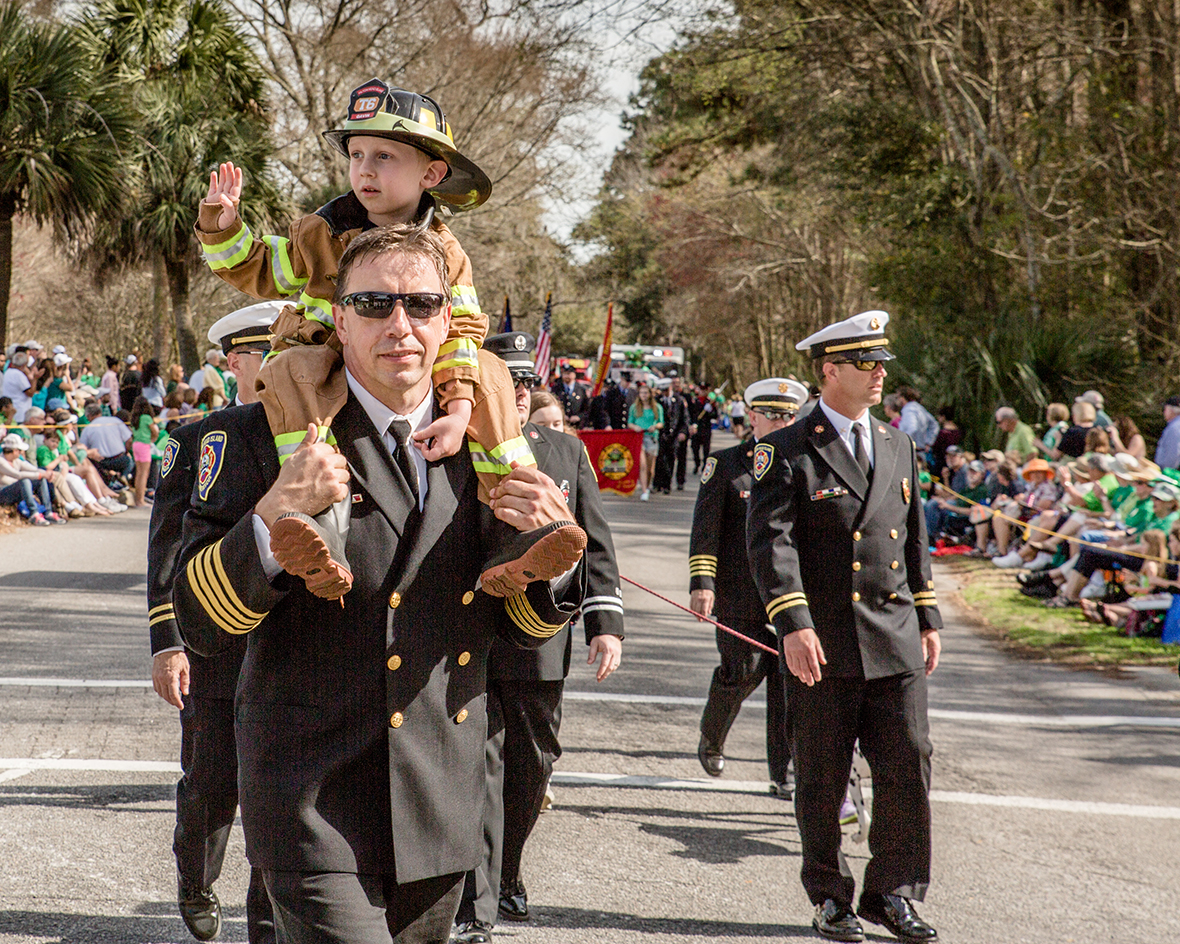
x=1021 y=443
x=143 y=434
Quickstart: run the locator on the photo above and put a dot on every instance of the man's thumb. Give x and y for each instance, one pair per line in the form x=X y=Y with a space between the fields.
x=312 y=436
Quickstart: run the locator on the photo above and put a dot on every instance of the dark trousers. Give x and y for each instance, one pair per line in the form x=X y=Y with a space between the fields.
x=207 y=802
x=741 y=670
x=346 y=908
x=888 y=715
x=702 y=442
x=524 y=718
x=116 y=465
x=25 y=490
x=672 y=458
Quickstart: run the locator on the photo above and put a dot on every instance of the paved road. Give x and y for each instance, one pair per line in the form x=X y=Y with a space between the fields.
x=1057 y=792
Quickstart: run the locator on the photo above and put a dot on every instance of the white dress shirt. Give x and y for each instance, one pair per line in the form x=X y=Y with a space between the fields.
x=844 y=428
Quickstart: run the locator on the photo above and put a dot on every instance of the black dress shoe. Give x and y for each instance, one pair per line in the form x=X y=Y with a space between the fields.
x=200 y=909
x=835 y=921
x=472 y=932
x=514 y=901
x=898 y=915
x=710 y=757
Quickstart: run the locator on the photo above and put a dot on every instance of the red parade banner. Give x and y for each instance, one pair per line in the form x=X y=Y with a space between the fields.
x=614 y=453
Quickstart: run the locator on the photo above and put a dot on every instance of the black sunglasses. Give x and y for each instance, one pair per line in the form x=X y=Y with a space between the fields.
x=864 y=366
x=529 y=383
x=420 y=307
x=776 y=415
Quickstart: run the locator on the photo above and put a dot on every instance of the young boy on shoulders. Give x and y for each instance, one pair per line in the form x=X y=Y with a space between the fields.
x=402 y=163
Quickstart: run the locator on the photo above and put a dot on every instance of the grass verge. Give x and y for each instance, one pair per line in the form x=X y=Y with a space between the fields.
x=1026 y=626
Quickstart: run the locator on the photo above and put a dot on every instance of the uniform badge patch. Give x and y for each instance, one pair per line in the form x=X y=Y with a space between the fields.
x=171 y=451
x=905 y=490
x=710 y=468
x=209 y=467
x=763 y=457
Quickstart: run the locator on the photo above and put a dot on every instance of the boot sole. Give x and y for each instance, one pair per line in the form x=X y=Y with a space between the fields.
x=302 y=553
x=551 y=556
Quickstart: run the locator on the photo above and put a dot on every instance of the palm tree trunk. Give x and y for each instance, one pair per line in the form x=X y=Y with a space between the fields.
x=161 y=346
x=182 y=313
x=7 y=211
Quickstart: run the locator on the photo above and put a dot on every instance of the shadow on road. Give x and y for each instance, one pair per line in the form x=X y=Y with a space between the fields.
x=71 y=580
x=61 y=928
x=582 y=919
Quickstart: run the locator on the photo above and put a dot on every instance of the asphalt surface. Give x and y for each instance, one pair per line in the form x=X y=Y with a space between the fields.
x=1056 y=791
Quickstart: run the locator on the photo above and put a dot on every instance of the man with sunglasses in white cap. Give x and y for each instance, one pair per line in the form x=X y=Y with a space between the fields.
x=720 y=585
x=838 y=550
x=203 y=688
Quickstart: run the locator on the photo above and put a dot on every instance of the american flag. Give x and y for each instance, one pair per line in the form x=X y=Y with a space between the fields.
x=545 y=341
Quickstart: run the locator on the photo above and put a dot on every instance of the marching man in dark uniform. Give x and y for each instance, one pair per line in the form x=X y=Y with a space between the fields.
x=360 y=722
x=720 y=584
x=838 y=549
x=203 y=689
x=525 y=686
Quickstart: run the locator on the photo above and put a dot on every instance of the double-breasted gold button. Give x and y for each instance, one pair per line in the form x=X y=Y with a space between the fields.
x=856 y=535
x=893 y=534
x=464 y=658
x=468 y=597
x=893 y=566
x=893 y=596
x=855 y=597
x=394 y=662
x=461 y=716
x=856 y=565
x=395 y=600
x=396 y=719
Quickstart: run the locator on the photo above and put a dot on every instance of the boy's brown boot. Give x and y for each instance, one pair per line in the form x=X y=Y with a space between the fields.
x=522 y=557
x=300 y=386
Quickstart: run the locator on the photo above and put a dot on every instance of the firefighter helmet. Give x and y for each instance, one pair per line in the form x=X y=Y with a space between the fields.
x=380 y=111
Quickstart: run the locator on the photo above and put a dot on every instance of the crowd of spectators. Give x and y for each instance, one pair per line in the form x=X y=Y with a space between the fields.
x=76 y=443
x=1081 y=512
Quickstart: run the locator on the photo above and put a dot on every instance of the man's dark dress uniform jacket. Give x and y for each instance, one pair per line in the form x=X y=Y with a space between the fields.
x=717 y=549
x=832 y=553
x=360 y=727
x=215 y=677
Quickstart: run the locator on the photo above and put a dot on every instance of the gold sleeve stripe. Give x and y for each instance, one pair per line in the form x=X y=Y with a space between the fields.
x=215 y=593
x=521 y=612
x=161 y=614
x=702 y=570
x=785 y=602
x=701 y=557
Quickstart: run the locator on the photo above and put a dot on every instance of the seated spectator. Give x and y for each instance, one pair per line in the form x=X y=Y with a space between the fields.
x=916 y=421
x=175 y=378
x=75 y=495
x=1042 y=497
x=81 y=465
x=7 y=415
x=925 y=480
x=188 y=401
x=954 y=473
x=1097 y=441
x=1096 y=400
x=17 y=478
x=171 y=408
x=949 y=435
x=1125 y=437
x=1166 y=500
x=949 y=516
x=88 y=378
x=105 y=439
x=1158 y=581
x=545 y=410
x=1167 y=451
x=19 y=382
x=1073 y=440
x=207 y=400
x=891 y=405
x=1020 y=437
x=1057 y=422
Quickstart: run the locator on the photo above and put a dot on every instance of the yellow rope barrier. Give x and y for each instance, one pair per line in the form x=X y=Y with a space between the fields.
x=1070 y=539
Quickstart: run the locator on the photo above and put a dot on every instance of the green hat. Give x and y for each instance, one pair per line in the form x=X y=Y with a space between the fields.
x=377 y=110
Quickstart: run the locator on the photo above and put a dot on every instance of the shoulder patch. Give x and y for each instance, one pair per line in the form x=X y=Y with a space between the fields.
x=171 y=451
x=710 y=468
x=763 y=457
x=212 y=453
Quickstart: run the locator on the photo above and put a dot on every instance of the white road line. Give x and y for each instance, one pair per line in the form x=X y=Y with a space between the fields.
x=985 y=717
x=32 y=682
x=66 y=763
x=943 y=714
x=13 y=773
x=11 y=768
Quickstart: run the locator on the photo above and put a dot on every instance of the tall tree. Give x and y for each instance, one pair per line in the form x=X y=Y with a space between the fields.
x=65 y=127
x=200 y=94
